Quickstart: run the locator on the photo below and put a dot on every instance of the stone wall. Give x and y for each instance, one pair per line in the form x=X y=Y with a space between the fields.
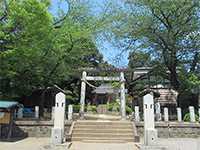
x=173 y=129
x=32 y=129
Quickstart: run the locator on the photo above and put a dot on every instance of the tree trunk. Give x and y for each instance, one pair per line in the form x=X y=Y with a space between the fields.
x=174 y=78
x=173 y=70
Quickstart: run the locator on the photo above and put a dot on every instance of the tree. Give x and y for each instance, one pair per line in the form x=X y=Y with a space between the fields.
x=168 y=29
x=25 y=30
x=39 y=50
x=139 y=59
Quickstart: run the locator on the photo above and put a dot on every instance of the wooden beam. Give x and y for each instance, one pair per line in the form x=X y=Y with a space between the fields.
x=99 y=78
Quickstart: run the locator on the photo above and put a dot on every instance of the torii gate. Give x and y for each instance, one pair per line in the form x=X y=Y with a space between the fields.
x=121 y=79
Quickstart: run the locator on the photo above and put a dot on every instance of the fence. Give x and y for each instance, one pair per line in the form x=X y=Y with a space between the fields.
x=163 y=115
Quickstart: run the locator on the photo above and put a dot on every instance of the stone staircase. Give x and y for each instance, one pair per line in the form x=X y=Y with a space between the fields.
x=103 y=131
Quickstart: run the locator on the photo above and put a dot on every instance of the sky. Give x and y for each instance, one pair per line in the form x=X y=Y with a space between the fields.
x=109 y=52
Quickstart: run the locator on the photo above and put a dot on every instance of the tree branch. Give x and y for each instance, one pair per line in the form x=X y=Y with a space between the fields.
x=58 y=23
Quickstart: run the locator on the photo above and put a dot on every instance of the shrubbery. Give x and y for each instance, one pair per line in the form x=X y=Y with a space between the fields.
x=91 y=108
x=112 y=107
x=115 y=107
x=187 y=117
x=76 y=108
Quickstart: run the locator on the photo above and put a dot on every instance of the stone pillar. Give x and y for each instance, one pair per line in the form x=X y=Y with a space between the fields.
x=150 y=133
x=57 y=134
x=52 y=112
x=83 y=90
x=199 y=114
x=166 y=114
x=192 y=114
x=158 y=112
x=122 y=96
x=37 y=112
x=137 y=114
x=70 y=112
x=179 y=114
x=20 y=113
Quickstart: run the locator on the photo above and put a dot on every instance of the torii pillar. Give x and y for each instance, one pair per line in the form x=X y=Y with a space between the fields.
x=83 y=90
x=122 y=96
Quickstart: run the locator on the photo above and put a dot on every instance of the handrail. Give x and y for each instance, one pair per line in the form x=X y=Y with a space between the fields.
x=69 y=135
x=137 y=137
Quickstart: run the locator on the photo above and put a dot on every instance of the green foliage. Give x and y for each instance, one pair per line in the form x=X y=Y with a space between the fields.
x=91 y=108
x=113 y=107
x=128 y=110
x=190 y=82
x=35 y=53
x=194 y=80
x=167 y=31
x=116 y=85
x=187 y=117
x=76 y=108
x=139 y=59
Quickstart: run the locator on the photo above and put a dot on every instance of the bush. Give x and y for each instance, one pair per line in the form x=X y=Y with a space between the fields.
x=113 y=107
x=76 y=108
x=187 y=117
x=91 y=108
x=128 y=110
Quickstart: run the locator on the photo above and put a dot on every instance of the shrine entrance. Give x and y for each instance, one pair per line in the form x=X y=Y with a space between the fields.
x=101 y=90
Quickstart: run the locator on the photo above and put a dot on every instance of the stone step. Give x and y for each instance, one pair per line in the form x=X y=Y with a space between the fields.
x=103 y=122
x=119 y=135
x=85 y=127
x=102 y=130
x=103 y=139
x=100 y=124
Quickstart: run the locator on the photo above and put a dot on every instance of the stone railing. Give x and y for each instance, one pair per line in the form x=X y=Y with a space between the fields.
x=173 y=129
x=164 y=116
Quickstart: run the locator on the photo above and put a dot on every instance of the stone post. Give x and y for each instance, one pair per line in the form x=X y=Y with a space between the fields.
x=166 y=114
x=192 y=114
x=83 y=89
x=199 y=114
x=122 y=96
x=179 y=114
x=137 y=114
x=20 y=113
x=36 y=112
x=158 y=112
x=57 y=134
x=52 y=112
x=70 y=112
x=150 y=133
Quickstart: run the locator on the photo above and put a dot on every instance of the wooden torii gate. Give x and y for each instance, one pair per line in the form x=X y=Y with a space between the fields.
x=120 y=79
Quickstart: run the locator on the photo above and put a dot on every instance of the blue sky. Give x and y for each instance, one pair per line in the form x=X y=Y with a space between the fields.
x=109 y=52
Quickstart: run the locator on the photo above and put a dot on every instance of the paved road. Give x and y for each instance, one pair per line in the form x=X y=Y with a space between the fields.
x=44 y=144
x=180 y=143
x=102 y=146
